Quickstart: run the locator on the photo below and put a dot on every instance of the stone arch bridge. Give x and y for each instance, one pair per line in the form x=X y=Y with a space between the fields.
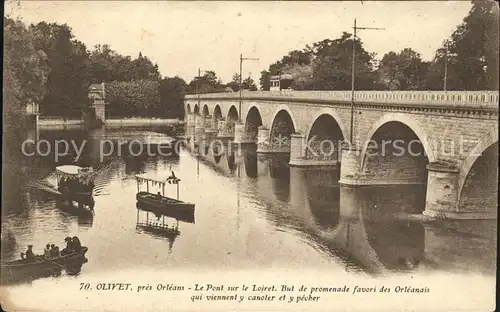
x=447 y=140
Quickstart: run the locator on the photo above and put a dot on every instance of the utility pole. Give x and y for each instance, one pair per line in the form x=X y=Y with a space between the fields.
x=198 y=84
x=353 y=73
x=445 y=65
x=241 y=81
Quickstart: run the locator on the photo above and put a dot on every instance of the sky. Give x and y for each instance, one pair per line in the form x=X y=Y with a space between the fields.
x=182 y=36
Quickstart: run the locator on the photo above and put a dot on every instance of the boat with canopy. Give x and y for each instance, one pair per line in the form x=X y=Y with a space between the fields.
x=159 y=202
x=76 y=184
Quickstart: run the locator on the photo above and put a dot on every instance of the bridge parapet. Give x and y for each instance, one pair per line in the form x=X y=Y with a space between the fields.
x=472 y=99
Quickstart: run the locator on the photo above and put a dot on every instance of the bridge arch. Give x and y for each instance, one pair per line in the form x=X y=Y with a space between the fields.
x=253 y=121
x=279 y=110
x=282 y=127
x=232 y=118
x=205 y=112
x=478 y=176
x=217 y=113
x=410 y=123
x=327 y=126
x=396 y=151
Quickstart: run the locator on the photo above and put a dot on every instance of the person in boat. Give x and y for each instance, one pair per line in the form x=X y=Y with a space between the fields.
x=52 y=250
x=77 y=246
x=72 y=184
x=57 y=253
x=29 y=255
x=63 y=182
x=46 y=251
x=69 y=246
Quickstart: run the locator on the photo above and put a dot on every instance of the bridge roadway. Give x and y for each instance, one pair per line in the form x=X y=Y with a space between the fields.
x=446 y=140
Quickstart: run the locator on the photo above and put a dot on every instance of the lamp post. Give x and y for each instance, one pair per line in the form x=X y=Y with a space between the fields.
x=241 y=82
x=353 y=73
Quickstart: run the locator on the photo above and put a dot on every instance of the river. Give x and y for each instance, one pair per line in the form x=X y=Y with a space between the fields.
x=252 y=212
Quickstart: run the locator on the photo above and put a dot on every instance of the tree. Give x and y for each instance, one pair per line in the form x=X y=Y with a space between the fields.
x=133 y=98
x=106 y=65
x=326 y=65
x=265 y=80
x=172 y=92
x=234 y=84
x=208 y=83
x=27 y=65
x=471 y=53
x=402 y=71
x=68 y=80
x=247 y=83
x=25 y=74
x=143 y=68
x=302 y=76
x=332 y=65
x=287 y=63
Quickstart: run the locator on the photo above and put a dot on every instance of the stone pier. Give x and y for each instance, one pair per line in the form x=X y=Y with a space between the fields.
x=240 y=134
x=189 y=124
x=199 y=128
x=301 y=155
x=442 y=191
x=351 y=167
x=223 y=130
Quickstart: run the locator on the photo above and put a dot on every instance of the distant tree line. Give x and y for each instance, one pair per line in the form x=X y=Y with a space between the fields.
x=48 y=65
x=471 y=55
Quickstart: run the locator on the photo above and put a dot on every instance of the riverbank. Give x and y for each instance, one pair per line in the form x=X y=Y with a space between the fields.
x=60 y=124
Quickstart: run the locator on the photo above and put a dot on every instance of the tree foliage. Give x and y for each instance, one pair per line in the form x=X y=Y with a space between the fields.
x=107 y=65
x=133 y=98
x=471 y=52
x=326 y=65
x=67 y=83
x=172 y=90
x=470 y=56
x=25 y=72
x=207 y=83
x=402 y=71
x=247 y=83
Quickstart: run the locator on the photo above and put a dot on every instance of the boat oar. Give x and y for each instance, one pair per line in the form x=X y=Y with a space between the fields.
x=57 y=264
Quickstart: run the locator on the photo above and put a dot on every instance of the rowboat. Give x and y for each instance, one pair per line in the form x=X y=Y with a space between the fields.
x=21 y=270
x=159 y=202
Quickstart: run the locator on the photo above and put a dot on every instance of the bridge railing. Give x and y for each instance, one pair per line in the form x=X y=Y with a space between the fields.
x=487 y=99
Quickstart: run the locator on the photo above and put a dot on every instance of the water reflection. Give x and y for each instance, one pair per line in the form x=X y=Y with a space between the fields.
x=253 y=210
x=364 y=225
x=161 y=225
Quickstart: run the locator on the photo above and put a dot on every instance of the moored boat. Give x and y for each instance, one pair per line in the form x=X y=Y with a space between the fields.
x=183 y=215
x=163 y=203
x=76 y=184
x=159 y=202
